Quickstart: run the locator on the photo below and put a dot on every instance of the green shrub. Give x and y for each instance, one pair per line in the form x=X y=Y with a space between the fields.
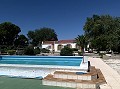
x=45 y=50
x=80 y=53
x=66 y=51
x=11 y=52
x=74 y=49
x=20 y=52
x=3 y=49
x=37 y=51
x=29 y=51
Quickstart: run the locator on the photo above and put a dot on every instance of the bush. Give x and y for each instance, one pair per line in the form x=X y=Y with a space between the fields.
x=29 y=51
x=66 y=51
x=20 y=52
x=45 y=50
x=80 y=53
x=74 y=49
x=3 y=49
x=11 y=52
x=37 y=51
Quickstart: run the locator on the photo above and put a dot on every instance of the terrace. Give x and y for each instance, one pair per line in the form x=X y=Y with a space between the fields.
x=99 y=77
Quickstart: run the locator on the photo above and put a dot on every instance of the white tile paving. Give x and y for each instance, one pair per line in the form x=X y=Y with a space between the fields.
x=111 y=76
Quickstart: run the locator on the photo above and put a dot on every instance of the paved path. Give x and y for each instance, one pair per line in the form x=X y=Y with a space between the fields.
x=111 y=76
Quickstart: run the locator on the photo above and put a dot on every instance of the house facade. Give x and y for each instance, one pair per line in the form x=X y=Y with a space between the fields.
x=56 y=46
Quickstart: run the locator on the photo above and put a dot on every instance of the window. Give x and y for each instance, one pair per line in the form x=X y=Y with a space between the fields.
x=69 y=45
x=59 y=47
x=49 y=47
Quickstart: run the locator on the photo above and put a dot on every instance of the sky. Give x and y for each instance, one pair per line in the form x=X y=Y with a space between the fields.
x=66 y=17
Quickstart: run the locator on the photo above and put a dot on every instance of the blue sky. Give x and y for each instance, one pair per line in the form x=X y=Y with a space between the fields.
x=66 y=17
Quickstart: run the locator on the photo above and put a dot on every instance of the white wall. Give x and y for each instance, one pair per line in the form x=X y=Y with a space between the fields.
x=73 y=45
x=56 y=46
x=47 y=45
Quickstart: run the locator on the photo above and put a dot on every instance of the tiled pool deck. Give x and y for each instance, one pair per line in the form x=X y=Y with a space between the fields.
x=111 y=76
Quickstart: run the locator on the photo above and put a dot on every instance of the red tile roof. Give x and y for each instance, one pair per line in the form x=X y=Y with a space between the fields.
x=48 y=42
x=59 y=42
x=66 y=41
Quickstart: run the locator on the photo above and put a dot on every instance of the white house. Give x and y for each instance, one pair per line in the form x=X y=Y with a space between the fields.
x=56 y=46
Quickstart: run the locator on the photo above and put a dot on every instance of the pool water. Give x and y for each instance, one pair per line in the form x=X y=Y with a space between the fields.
x=42 y=60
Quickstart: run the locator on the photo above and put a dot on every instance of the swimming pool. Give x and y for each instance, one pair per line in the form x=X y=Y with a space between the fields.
x=40 y=66
x=42 y=60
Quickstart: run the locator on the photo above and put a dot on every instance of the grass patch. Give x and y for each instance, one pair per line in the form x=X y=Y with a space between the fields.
x=18 y=83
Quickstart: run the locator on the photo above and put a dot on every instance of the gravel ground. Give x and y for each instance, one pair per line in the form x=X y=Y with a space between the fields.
x=113 y=61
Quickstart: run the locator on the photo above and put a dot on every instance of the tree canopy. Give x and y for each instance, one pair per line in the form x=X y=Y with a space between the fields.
x=8 y=33
x=21 y=41
x=103 y=32
x=42 y=34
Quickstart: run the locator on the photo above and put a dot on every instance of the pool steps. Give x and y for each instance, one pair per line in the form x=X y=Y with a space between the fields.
x=90 y=80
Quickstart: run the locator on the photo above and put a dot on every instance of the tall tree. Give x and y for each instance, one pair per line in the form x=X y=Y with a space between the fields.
x=8 y=33
x=81 y=41
x=43 y=34
x=21 y=41
x=103 y=31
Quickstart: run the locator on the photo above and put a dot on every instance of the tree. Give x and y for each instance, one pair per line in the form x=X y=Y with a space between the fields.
x=29 y=51
x=43 y=34
x=103 y=31
x=81 y=42
x=66 y=51
x=8 y=33
x=37 y=50
x=21 y=41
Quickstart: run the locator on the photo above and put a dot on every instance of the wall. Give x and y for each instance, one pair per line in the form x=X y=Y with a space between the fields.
x=46 y=46
x=73 y=45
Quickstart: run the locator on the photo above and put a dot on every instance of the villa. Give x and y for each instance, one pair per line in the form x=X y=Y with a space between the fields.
x=56 y=46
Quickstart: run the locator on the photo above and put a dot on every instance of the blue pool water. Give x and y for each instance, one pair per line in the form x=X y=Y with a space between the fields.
x=42 y=60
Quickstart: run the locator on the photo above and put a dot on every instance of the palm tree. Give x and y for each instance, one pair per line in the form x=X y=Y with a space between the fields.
x=81 y=43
